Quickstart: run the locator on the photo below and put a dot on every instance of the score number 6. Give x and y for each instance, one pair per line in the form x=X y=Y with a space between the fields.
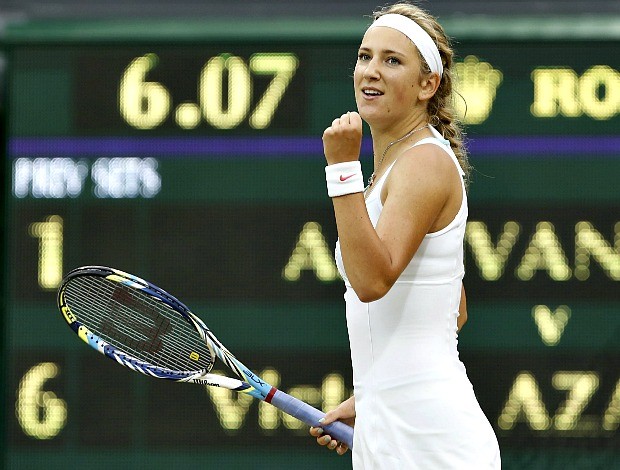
x=146 y=105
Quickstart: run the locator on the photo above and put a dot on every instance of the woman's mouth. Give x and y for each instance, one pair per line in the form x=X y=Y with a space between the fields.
x=371 y=92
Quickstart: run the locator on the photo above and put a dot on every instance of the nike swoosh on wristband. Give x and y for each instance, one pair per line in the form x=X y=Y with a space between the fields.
x=344 y=178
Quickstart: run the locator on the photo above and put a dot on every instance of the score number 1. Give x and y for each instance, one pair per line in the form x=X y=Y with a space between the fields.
x=50 y=235
x=146 y=105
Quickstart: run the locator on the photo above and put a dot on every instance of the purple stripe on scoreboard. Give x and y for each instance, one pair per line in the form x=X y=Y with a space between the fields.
x=293 y=147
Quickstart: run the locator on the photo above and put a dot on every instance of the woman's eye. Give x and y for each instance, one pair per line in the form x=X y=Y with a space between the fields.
x=393 y=61
x=363 y=56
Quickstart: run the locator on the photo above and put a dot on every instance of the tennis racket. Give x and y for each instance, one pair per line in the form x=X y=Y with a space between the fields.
x=142 y=327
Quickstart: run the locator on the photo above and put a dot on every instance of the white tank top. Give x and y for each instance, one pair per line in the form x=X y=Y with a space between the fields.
x=440 y=255
x=415 y=407
x=414 y=324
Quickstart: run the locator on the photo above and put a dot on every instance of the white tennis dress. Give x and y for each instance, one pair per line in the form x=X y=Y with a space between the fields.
x=415 y=406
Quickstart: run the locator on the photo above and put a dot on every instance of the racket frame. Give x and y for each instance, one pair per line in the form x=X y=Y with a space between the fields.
x=248 y=382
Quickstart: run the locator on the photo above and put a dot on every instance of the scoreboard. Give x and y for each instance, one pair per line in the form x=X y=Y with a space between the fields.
x=190 y=154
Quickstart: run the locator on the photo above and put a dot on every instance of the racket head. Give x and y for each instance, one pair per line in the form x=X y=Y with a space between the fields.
x=134 y=322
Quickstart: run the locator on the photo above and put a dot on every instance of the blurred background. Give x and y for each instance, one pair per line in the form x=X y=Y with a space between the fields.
x=182 y=142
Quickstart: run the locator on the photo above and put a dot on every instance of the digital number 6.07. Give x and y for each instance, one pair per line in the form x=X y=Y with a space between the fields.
x=225 y=92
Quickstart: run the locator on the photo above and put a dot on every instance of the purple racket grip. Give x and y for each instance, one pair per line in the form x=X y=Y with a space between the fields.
x=310 y=415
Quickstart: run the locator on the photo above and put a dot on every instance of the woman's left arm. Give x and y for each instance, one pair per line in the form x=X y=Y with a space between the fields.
x=462 y=318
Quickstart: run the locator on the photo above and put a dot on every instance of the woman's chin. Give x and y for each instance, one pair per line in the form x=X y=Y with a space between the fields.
x=369 y=115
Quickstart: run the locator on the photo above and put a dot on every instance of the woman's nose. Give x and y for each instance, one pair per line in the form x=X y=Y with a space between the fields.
x=372 y=70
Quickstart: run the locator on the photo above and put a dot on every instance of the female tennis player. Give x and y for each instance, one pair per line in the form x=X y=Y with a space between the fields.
x=400 y=253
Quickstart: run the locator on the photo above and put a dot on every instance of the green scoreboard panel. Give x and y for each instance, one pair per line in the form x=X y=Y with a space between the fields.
x=190 y=154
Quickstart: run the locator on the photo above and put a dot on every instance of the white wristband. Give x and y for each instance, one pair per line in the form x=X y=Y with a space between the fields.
x=344 y=178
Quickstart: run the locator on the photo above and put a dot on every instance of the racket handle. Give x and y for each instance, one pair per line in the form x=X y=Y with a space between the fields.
x=310 y=415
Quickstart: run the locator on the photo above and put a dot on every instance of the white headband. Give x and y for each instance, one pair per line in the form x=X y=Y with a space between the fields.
x=418 y=36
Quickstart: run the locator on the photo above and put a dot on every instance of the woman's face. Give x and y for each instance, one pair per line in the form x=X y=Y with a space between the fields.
x=386 y=77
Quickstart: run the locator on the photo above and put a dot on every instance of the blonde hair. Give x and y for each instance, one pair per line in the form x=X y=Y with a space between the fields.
x=440 y=108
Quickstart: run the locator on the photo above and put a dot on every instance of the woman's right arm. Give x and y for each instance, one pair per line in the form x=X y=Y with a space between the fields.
x=416 y=193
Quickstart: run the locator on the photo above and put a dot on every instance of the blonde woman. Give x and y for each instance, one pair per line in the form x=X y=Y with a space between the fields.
x=400 y=252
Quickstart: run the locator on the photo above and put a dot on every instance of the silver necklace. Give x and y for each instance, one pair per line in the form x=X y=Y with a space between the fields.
x=371 y=180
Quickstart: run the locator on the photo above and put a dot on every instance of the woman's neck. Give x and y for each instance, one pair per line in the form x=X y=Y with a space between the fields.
x=386 y=138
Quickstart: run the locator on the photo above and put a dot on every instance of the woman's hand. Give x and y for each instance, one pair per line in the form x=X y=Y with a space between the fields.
x=345 y=412
x=342 y=141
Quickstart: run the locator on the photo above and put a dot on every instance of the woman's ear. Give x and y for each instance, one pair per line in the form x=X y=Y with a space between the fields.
x=429 y=86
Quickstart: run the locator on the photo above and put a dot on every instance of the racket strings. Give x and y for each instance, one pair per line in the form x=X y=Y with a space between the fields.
x=137 y=323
